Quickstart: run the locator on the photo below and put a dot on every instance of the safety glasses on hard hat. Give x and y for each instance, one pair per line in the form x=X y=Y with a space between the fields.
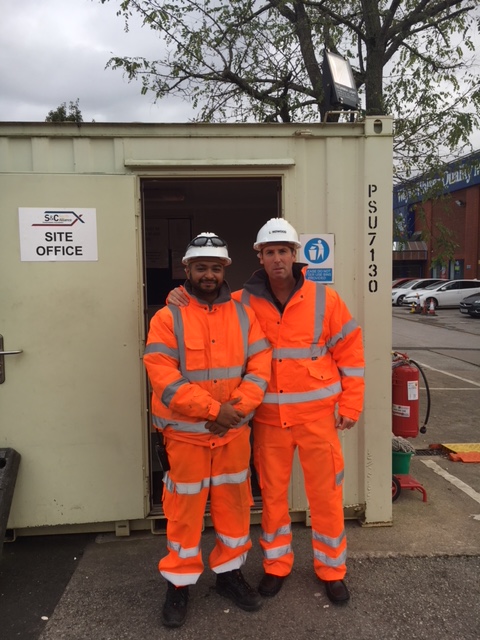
x=204 y=241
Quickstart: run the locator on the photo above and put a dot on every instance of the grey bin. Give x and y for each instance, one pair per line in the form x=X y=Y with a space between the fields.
x=9 y=463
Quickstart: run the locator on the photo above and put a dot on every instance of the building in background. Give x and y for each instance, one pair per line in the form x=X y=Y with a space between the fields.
x=454 y=206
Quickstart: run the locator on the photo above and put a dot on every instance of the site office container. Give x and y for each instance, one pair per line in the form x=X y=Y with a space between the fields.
x=74 y=402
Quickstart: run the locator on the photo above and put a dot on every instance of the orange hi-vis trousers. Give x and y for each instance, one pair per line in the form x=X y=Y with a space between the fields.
x=197 y=472
x=321 y=459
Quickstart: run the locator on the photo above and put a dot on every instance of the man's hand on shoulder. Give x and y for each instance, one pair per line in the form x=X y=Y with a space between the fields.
x=178 y=297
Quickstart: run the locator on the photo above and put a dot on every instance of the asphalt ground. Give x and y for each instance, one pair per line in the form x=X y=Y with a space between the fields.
x=419 y=578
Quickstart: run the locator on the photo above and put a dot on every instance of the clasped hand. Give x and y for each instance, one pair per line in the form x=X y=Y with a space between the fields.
x=228 y=417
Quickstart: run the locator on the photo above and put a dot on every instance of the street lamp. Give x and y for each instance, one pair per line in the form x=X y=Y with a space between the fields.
x=339 y=89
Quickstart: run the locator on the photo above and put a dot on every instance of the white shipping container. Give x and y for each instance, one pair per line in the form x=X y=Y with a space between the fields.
x=94 y=222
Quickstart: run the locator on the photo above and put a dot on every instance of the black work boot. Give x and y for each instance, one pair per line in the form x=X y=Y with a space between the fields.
x=233 y=585
x=175 y=608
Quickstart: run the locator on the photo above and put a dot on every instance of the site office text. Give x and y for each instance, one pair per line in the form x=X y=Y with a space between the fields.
x=50 y=249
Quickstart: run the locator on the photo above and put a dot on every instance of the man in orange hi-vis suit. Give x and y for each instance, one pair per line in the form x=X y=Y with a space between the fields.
x=316 y=389
x=209 y=365
x=317 y=367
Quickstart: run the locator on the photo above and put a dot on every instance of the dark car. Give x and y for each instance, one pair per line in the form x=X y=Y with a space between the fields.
x=471 y=305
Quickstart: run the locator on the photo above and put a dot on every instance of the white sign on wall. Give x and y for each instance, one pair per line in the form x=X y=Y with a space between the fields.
x=318 y=252
x=57 y=235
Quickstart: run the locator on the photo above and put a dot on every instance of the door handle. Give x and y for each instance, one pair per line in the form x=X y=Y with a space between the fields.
x=2 y=361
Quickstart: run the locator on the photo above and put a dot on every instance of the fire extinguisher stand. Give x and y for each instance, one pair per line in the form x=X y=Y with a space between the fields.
x=405 y=413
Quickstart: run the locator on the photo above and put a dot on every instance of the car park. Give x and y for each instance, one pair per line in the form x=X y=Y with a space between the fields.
x=471 y=305
x=400 y=291
x=443 y=294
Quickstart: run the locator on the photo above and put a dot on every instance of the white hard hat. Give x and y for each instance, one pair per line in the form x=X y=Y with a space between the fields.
x=274 y=231
x=207 y=245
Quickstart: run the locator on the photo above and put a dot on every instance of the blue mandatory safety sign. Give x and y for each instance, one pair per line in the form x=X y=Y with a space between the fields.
x=316 y=251
x=319 y=254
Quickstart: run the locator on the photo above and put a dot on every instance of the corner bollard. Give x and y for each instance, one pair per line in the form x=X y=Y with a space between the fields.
x=9 y=462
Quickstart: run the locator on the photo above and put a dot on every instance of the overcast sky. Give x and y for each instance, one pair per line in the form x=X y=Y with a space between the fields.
x=55 y=51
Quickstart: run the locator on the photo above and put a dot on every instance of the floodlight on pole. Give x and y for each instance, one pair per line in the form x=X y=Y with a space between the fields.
x=339 y=87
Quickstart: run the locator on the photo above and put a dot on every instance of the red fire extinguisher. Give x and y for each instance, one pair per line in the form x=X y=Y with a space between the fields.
x=405 y=397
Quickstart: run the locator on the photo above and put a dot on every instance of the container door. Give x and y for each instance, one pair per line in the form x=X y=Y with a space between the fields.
x=72 y=402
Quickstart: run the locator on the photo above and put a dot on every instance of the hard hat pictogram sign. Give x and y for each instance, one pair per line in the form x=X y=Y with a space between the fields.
x=318 y=252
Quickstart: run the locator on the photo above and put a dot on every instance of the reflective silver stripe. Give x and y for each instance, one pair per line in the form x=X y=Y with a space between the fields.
x=231 y=565
x=339 y=477
x=277 y=552
x=346 y=329
x=307 y=396
x=296 y=353
x=334 y=543
x=244 y=321
x=257 y=347
x=233 y=543
x=179 y=331
x=160 y=347
x=185 y=488
x=190 y=427
x=171 y=390
x=190 y=552
x=358 y=372
x=260 y=382
x=181 y=579
x=245 y=297
x=330 y=562
x=320 y=302
x=225 y=373
x=281 y=531
x=229 y=478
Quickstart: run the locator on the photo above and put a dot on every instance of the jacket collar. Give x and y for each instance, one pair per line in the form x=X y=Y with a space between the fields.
x=258 y=285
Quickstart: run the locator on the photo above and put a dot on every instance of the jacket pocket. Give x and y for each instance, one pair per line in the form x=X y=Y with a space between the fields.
x=195 y=353
x=321 y=370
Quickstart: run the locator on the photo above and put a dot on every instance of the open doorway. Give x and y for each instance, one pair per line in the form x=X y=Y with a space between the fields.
x=177 y=209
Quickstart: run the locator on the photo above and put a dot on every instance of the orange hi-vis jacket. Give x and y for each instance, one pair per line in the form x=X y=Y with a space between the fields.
x=318 y=357
x=201 y=356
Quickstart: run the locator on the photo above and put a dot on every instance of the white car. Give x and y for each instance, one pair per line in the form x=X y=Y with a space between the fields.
x=447 y=293
x=398 y=293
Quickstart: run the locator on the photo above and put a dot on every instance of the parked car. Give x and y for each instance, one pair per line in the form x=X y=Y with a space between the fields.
x=399 y=292
x=399 y=281
x=443 y=294
x=471 y=305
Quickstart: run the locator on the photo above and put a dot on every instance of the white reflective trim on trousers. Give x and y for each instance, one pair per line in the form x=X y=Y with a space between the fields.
x=333 y=543
x=330 y=562
x=190 y=552
x=231 y=565
x=233 y=543
x=180 y=579
x=277 y=552
x=281 y=531
x=339 y=477
x=185 y=488
x=307 y=396
x=230 y=478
